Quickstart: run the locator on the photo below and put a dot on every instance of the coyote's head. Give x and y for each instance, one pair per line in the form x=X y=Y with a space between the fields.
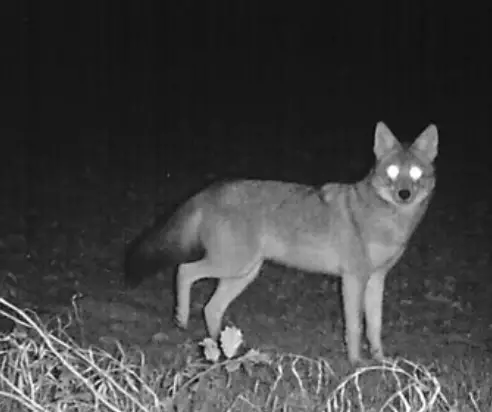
x=404 y=175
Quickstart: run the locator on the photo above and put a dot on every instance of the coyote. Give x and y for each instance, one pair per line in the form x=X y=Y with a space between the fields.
x=356 y=231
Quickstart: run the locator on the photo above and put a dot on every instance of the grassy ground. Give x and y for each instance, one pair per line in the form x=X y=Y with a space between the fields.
x=65 y=251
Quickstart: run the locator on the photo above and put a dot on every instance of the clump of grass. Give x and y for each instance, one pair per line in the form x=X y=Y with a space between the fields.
x=44 y=369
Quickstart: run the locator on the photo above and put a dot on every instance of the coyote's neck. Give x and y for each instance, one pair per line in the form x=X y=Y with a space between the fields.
x=383 y=221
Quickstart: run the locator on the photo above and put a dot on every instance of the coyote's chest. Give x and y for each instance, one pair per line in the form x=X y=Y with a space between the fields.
x=387 y=236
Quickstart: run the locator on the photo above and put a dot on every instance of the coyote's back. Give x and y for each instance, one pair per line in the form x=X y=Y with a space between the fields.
x=357 y=231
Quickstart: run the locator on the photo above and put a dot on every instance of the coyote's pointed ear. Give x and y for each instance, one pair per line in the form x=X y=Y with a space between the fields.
x=427 y=142
x=384 y=140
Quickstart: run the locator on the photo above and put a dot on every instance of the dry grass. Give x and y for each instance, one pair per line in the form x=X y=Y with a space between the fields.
x=44 y=369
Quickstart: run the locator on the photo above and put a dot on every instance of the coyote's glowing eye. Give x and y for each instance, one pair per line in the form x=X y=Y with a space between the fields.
x=393 y=171
x=415 y=172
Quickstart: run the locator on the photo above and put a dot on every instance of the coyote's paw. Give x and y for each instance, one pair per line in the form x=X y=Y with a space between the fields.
x=378 y=356
x=181 y=320
x=386 y=359
x=359 y=363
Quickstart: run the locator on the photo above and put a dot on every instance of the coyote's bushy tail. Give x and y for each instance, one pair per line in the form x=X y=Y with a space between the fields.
x=164 y=245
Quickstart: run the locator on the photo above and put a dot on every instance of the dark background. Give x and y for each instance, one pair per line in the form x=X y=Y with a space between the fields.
x=283 y=90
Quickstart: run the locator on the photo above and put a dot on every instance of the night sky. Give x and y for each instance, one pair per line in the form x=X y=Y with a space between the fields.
x=206 y=85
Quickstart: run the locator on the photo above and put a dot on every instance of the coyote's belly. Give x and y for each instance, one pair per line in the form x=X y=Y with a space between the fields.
x=316 y=254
